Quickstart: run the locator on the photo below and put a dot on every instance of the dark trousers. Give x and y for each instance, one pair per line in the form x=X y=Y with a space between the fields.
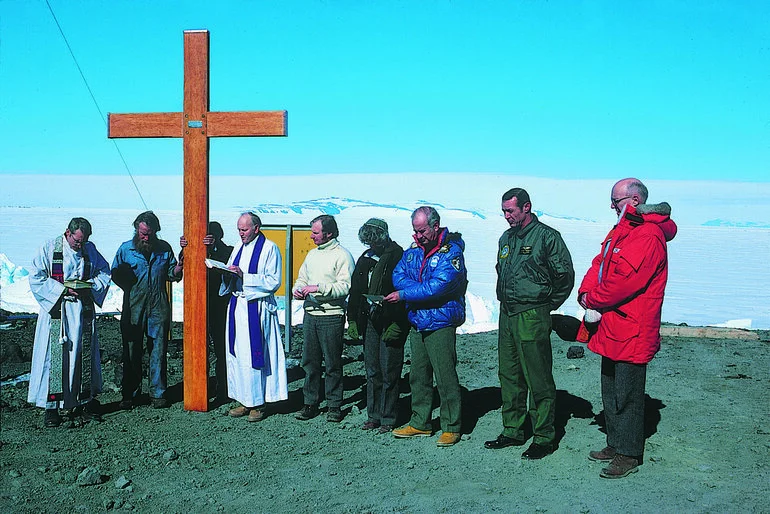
x=435 y=353
x=525 y=357
x=217 y=312
x=623 y=398
x=133 y=348
x=322 y=337
x=383 y=371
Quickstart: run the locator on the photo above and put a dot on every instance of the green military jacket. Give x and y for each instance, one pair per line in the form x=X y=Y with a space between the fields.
x=534 y=268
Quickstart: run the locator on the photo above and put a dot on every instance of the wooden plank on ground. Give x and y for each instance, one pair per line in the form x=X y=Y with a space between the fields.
x=708 y=332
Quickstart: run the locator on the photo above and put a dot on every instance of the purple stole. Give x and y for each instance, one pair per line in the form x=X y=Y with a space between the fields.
x=255 y=323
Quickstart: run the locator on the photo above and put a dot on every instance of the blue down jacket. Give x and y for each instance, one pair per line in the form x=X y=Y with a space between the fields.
x=433 y=284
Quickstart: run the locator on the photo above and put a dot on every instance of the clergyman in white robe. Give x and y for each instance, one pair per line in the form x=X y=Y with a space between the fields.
x=250 y=380
x=86 y=265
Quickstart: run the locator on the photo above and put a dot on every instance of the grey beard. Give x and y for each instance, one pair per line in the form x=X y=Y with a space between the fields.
x=143 y=246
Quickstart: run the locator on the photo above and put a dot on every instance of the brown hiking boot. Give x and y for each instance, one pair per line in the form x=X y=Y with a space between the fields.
x=307 y=412
x=604 y=455
x=334 y=415
x=256 y=415
x=238 y=412
x=621 y=466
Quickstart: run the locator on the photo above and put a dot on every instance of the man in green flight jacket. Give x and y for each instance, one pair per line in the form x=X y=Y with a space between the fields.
x=534 y=277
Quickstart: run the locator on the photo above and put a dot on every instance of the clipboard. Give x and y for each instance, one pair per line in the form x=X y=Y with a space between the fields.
x=375 y=298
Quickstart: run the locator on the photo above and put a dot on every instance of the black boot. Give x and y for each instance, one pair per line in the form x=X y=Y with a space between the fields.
x=93 y=411
x=52 y=418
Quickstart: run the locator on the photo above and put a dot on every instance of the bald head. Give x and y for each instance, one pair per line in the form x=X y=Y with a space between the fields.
x=248 y=227
x=628 y=191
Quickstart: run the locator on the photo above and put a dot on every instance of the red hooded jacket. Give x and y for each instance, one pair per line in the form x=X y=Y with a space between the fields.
x=626 y=284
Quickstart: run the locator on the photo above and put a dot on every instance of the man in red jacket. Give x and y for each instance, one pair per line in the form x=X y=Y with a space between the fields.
x=624 y=289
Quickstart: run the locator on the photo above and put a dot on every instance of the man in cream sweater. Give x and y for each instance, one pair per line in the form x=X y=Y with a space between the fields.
x=323 y=282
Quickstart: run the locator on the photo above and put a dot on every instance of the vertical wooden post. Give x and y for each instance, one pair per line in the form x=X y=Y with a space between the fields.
x=196 y=216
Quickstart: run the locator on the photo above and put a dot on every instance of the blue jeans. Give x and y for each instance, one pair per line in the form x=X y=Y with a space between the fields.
x=131 y=385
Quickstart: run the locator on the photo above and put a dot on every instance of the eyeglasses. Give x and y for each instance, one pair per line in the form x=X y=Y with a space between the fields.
x=83 y=240
x=616 y=201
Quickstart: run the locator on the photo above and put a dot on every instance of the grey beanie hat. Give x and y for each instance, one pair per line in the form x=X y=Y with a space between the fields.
x=378 y=223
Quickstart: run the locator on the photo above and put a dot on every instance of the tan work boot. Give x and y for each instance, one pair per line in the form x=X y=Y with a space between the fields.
x=448 y=439
x=410 y=431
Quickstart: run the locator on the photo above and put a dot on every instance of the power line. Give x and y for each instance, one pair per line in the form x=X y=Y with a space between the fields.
x=90 y=92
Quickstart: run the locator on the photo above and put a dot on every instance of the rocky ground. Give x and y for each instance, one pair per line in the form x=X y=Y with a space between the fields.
x=708 y=428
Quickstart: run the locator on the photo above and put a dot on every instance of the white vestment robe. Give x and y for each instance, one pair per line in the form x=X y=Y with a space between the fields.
x=48 y=292
x=253 y=387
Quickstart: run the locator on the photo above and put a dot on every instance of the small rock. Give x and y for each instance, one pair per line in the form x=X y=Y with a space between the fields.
x=12 y=353
x=14 y=474
x=92 y=444
x=410 y=465
x=170 y=455
x=575 y=352
x=355 y=410
x=108 y=504
x=122 y=482
x=89 y=476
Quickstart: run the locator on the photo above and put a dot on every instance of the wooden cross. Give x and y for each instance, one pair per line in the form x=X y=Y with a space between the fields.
x=196 y=124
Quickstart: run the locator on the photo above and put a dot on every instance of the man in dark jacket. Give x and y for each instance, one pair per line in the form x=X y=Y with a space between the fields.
x=432 y=279
x=624 y=289
x=534 y=277
x=384 y=326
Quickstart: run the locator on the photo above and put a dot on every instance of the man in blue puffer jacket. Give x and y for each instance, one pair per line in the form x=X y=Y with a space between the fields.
x=431 y=279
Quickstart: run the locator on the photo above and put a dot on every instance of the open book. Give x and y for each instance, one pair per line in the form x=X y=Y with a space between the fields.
x=375 y=298
x=211 y=263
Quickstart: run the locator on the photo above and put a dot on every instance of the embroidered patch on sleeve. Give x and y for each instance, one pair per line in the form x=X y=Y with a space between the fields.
x=456 y=263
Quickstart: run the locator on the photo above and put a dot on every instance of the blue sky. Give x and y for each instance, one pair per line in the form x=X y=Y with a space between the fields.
x=563 y=89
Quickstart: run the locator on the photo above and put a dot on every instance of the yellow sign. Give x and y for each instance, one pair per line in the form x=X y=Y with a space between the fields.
x=300 y=244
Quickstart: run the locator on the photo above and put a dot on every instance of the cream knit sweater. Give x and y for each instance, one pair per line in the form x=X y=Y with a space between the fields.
x=330 y=267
